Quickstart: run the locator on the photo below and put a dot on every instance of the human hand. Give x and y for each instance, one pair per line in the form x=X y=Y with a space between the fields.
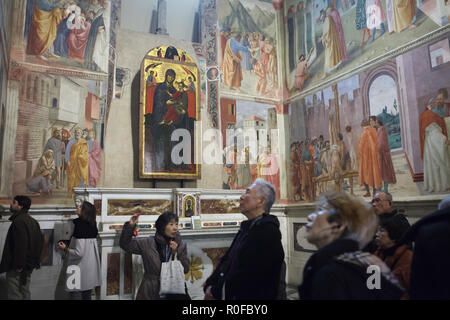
x=62 y=245
x=134 y=219
x=173 y=245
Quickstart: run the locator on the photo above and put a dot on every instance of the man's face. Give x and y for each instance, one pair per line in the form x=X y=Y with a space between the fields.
x=381 y=204
x=14 y=206
x=372 y=122
x=78 y=134
x=382 y=239
x=91 y=135
x=250 y=201
x=57 y=134
x=440 y=100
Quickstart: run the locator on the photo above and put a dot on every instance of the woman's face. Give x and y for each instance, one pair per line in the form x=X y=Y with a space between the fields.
x=171 y=229
x=319 y=231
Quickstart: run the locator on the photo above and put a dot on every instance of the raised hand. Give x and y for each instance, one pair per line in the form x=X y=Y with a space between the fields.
x=134 y=219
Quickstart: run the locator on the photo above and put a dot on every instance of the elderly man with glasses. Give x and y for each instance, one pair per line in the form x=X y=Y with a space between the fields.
x=382 y=205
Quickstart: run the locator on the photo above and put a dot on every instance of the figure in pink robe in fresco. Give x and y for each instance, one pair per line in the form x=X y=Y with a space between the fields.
x=77 y=39
x=95 y=159
x=334 y=14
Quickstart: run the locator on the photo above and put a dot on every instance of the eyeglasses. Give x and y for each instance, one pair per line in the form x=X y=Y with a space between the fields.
x=375 y=200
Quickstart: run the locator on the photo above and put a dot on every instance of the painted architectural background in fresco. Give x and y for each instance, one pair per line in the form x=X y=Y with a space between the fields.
x=254 y=153
x=325 y=38
x=407 y=100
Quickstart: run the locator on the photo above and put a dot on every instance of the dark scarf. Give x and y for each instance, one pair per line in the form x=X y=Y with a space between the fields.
x=84 y=230
x=162 y=241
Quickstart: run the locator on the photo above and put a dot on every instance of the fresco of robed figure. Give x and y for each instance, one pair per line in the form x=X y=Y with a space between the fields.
x=169 y=99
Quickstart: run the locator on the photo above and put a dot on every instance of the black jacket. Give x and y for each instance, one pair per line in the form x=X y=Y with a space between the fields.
x=254 y=272
x=23 y=244
x=327 y=278
x=430 y=268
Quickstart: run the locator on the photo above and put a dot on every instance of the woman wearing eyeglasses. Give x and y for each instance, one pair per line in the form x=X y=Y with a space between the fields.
x=339 y=270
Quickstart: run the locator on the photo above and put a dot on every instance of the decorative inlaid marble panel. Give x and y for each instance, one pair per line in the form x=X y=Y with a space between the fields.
x=127 y=207
x=219 y=206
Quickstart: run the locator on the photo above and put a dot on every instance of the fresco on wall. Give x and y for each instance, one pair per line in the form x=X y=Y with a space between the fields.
x=247 y=47
x=253 y=153
x=170 y=100
x=330 y=37
x=59 y=137
x=383 y=129
x=74 y=34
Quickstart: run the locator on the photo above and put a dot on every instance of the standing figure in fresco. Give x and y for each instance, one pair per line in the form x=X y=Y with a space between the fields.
x=79 y=33
x=375 y=17
x=272 y=169
x=100 y=55
x=47 y=16
x=352 y=145
x=294 y=170
x=438 y=104
x=386 y=165
x=95 y=16
x=95 y=159
x=246 y=56
x=331 y=43
x=369 y=159
x=334 y=14
x=271 y=66
x=390 y=15
x=244 y=177
x=65 y=139
x=434 y=145
x=157 y=106
x=224 y=36
x=60 y=47
x=361 y=21
x=300 y=72
x=56 y=145
x=230 y=166
x=404 y=14
x=260 y=72
x=172 y=53
x=77 y=159
x=307 y=167
x=298 y=151
x=232 y=71
x=254 y=46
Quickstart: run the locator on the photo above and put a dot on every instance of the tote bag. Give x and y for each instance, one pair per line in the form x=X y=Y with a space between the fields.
x=172 y=277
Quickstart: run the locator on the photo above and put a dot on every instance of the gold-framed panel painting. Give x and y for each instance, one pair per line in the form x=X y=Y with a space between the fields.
x=169 y=109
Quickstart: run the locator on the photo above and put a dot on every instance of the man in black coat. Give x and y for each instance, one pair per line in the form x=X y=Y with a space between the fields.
x=22 y=251
x=250 y=270
x=382 y=205
x=430 y=269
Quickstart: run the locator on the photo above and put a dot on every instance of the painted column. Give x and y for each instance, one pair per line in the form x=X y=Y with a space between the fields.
x=17 y=29
x=283 y=151
x=9 y=145
x=162 y=17
x=282 y=91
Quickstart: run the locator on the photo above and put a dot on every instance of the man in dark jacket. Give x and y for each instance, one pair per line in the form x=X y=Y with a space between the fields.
x=430 y=276
x=250 y=270
x=382 y=205
x=22 y=250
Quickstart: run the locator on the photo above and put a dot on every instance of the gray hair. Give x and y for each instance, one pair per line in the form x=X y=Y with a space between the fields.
x=445 y=203
x=266 y=190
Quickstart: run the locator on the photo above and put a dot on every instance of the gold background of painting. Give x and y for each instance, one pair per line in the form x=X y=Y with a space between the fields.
x=180 y=75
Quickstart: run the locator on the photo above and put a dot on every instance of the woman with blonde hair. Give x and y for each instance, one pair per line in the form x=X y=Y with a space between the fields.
x=341 y=226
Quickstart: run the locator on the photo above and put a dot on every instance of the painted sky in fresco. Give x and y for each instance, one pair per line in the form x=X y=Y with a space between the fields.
x=382 y=93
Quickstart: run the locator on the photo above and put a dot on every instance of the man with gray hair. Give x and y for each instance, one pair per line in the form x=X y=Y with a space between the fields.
x=250 y=269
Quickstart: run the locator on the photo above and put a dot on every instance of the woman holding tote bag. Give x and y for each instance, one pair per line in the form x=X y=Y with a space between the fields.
x=83 y=252
x=155 y=251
